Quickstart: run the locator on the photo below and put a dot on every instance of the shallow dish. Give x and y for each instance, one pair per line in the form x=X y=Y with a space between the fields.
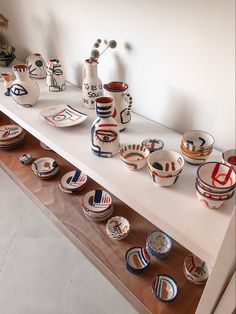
x=134 y=156
x=158 y=244
x=62 y=116
x=10 y=131
x=74 y=180
x=195 y=269
x=117 y=228
x=196 y=140
x=229 y=158
x=137 y=260
x=165 y=288
x=44 y=166
x=97 y=201
x=153 y=144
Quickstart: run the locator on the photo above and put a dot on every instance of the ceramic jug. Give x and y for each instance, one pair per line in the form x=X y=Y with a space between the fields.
x=37 y=65
x=55 y=76
x=92 y=85
x=105 y=131
x=122 y=103
x=7 y=82
x=24 y=90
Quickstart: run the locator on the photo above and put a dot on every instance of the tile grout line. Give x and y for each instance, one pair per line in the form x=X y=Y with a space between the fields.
x=13 y=237
x=69 y=291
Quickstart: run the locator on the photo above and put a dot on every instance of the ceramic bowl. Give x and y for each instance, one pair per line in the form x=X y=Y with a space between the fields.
x=196 y=140
x=214 y=195
x=153 y=144
x=117 y=228
x=137 y=260
x=158 y=244
x=134 y=156
x=6 y=61
x=165 y=288
x=26 y=159
x=195 y=269
x=194 y=160
x=45 y=167
x=216 y=177
x=229 y=158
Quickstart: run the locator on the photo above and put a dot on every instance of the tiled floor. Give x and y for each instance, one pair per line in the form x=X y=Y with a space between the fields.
x=41 y=272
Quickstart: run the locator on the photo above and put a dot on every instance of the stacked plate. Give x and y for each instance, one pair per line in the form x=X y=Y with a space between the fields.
x=11 y=136
x=97 y=205
x=73 y=181
x=45 y=168
x=195 y=270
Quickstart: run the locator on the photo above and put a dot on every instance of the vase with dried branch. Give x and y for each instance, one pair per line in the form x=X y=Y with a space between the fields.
x=6 y=51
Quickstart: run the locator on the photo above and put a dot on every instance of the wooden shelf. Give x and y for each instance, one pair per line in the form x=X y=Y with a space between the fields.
x=65 y=211
x=175 y=209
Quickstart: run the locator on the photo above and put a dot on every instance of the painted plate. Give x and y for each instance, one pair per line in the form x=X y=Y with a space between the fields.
x=10 y=131
x=165 y=288
x=73 y=180
x=97 y=201
x=62 y=116
x=44 y=165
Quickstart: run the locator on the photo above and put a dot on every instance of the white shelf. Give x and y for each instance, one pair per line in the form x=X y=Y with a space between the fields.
x=174 y=209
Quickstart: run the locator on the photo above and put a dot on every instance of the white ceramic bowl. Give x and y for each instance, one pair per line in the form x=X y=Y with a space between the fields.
x=229 y=158
x=213 y=195
x=195 y=269
x=165 y=288
x=196 y=140
x=117 y=228
x=134 y=156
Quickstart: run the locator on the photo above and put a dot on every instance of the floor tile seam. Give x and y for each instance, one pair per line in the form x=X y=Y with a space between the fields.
x=69 y=291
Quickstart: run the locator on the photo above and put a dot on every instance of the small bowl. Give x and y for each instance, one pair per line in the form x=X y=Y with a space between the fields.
x=6 y=61
x=192 y=159
x=134 y=156
x=165 y=288
x=196 y=140
x=153 y=144
x=158 y=244
x=229 y=158
x=195 y=269
x=137 y=260
x=117 y=228
x=213 y=195
x=26 y=159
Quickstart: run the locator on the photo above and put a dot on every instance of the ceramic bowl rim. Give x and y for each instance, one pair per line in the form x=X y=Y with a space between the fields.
x=153 y=150
x=205 y=133
x=213 y=199
x=175 y=283
x=208 y=268
x=126 y=258
x=166 y=235
x=146 y=150
x=120 y=217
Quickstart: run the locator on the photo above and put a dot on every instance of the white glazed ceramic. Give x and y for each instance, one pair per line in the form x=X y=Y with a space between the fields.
x=158 y=244
x=37 y=65
x=195 y=269
x=165 y=288
x=137 y=260
x=196 y=140
x=7 y=82
x=92 y=85
x=44 y=165
x=193 y=159
x=62 y=116
x=214 y=195
x=117 y=228
x=134 y=156
x=10 y=131
x=26 y=158
x=229 y=158
x=24 y=90
x=104 y=131
x=122 y=102
x=55 y=76
x=74 y=180
x=97 y=201
x=153 y=144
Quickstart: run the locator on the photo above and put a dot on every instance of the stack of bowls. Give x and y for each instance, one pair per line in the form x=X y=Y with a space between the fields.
x=165 y=288
x=45 y=168
x=196 y=146
x=195 y=270
x=97 y=205
x=117 y=228
x=215 y=184
x=11 y=136
x=73 y=181
x=158 y=244
x=137 y=260
x=134 y=156
x=229 y=158
x=165 y=167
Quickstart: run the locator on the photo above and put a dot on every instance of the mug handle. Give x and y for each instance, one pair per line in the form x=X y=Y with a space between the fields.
x=128 y=100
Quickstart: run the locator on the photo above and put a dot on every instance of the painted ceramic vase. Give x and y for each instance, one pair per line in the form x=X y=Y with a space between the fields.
x=24 y=90
x=105 y=131
x=122 y=103
x=92 y=85
x=55 y=76
x=7 y=82
x=37 y=65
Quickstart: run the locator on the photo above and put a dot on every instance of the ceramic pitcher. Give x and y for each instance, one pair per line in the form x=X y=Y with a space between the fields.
x=105 y=131
x=55 y=76
x=92 y=85
x=37 y=65
x=24 y=90
x=7 y=82
x=122 y=103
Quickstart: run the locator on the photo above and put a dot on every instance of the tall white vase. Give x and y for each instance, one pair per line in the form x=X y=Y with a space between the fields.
x=55 y=76
x=37 y=65
x=24 y=90
x=92 y=85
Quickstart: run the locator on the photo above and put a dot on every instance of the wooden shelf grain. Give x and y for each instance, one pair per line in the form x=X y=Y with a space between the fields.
x=65 y=211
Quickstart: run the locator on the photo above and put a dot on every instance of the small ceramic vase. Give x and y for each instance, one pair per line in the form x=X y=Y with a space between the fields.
x=55 y=76
x=122 y=103
x=92 y=85
x=37 y=65
x=7 y=82
x=105 y=131
x=24 y=90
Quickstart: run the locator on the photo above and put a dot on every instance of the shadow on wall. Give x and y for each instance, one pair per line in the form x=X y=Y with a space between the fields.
x=179 y=112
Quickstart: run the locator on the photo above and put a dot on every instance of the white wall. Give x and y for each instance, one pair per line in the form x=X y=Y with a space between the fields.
x=178 y=56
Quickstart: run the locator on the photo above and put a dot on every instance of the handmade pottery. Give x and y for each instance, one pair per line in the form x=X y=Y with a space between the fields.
x=122 y=102
x=11 y=136
x=137 y=260
x=117 y=228
x=7 y=82
x=74 y=180
x=25 y=159
x=24 y=90
x=62 y=116
x=45 y=167
x=134 y=156
x=165 y=288
x=196 y=140
x=92 y=85
x=153 y=144
x=37 y=65
x=104 y=131
x=196 y=270
x=229 y=158
x=55 y=76
x=158 y=244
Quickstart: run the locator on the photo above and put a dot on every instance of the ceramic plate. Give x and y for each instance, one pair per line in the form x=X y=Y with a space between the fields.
x=73 y=180
x=44 y=165
x=97 y=201
x=9 y=131
x=62 y=116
